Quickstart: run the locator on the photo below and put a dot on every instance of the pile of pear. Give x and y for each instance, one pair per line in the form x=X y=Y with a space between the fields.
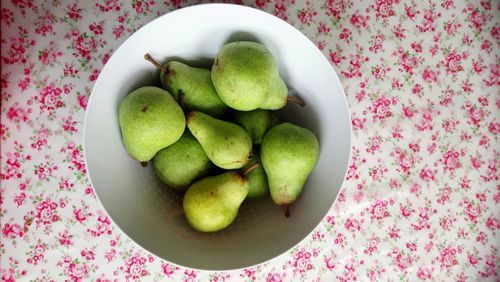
x=213 y=134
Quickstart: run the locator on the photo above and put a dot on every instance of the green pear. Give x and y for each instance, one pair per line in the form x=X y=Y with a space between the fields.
x=190 y=86
x=277 y=96
x=150 y=120
x=289 y=154
x=256 y=176
x=245 y=74
x=256 y=123
x=212 y=203
x=226 y=144
x=181 y=163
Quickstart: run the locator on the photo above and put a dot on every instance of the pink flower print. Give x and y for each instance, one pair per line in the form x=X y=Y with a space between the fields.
x=168 y=269
x=76 y=272
x=472 y=211
x=451 y=161
x=345 y=35
x=476 y=115
x=401 y=260
x=376 y=43
x=50 y=98
x=70 y=125
x=44 y=171
x=493 y=223
x=84 y=46
x=73 y=11
x=381 y=108
x=65 y=239
x=118 y=31
x=36 y=254
x=103 y=226
x=430 y=75
x=88 y=254
x=259 y=3
x=189 y=275
x=447 y=257
x=352 y=225
x=378 y=209
x=79 y=215
x=69 y=71
x=97 y=28
x=94 y=75
x=49 y=56
x=7 y=17
x=335 y=8
x=306 y=15
x=330 y=265
x=476 y=18
x=423 y=273
x=358 y=21
x=134 y=267
x=12 y=231
x=45 y=24
x=273 y=277
x=82 y=101
x=301 y=262
x=372 y=246
x=40 y=139
x=18 y=114
x=384 y=8
x=453 y=63
x=46 y=212
x=108 y=5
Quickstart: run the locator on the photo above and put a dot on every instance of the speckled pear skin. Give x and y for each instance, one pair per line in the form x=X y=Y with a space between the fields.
x=196 y=86
x=181 y=163
x=256 y=123
x=288 y=154
x=150 y=120
x=226 y=144
x=245 y=74
x=259 y=187
x=212 y=203
x=277 y=95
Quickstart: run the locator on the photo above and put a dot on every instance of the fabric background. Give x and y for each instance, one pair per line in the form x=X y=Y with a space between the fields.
x=421 y=198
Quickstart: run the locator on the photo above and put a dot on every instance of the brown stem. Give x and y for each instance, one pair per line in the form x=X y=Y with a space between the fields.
x=144 y=164
x=286 y=209
x=250 y=168
x=295 y=100
x=150 y=59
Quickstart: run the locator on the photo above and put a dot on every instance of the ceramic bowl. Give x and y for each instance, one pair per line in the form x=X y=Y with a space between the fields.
x=150 y=214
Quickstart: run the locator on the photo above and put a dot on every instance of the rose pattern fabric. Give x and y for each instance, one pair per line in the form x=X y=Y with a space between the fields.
x=421 y=196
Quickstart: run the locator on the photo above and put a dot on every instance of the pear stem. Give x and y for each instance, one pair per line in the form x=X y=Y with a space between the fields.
x=250 y=168
x=295 y=100
x=286 y=209
x=150 y=59
x=144 y=164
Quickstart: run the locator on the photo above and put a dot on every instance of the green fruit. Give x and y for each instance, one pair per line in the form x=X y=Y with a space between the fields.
x=226 y=144
x=289 y=154
x=257 y=177
x=245 y=74
x=195 y=84
x=212 y=203
x=181 y=163
x=150 y=120
x=256 y=123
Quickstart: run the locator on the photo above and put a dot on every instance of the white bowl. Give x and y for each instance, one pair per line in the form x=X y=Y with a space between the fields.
x=150 y=214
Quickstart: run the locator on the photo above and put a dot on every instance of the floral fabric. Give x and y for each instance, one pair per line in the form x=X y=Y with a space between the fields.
x=421 y=200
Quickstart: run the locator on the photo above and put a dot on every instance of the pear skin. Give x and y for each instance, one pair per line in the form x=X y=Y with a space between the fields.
x=243 y=74
x=226 y=144
x=288 y=154
x=256 y=123
x=212 y=203
x=257 y=177
x=181 y=163
x=150 y=120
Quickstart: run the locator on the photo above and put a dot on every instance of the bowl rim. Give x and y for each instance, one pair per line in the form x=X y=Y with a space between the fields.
x=217 y=6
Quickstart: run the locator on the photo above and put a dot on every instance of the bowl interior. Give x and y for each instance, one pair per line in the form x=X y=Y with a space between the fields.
x=151 y=214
